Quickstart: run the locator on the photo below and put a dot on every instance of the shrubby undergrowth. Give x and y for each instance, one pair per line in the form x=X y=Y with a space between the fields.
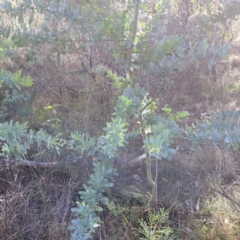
x=140 y=59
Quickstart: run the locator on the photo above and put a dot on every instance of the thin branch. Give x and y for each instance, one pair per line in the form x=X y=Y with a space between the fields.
x=29 y=163
x=224 y=194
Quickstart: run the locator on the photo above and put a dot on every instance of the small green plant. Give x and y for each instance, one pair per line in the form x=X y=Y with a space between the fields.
x=157 y=226
x=54 y=123
x=176 y=117
x=222 y=128
x=16 y=139
x=92 y=196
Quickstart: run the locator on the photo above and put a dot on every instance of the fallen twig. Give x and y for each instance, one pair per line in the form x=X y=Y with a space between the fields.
x=137 y=161
x=29 y=163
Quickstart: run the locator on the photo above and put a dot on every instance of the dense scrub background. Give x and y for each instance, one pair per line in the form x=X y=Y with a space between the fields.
x=65 y=66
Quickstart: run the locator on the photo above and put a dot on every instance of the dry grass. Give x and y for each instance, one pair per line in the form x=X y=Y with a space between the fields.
x=35 y=204
x=217 y=219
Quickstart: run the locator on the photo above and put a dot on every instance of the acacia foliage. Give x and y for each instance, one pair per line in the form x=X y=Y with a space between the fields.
x=169 y=34
x=144 y=42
